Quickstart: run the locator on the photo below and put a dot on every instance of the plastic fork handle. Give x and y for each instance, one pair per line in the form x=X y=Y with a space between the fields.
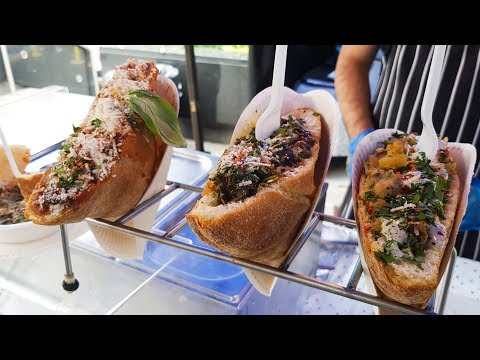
x=429 y=97
x=278 y=78
x=270 y=119
x=433 y=82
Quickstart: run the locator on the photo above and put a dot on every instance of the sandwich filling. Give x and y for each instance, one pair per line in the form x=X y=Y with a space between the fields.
x=250 y=164
x=405 y=198
x=12 y=205
x=88 y=155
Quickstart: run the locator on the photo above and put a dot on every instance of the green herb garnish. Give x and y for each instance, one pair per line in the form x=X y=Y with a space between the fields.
x=65 y=147
x=369 y=195
x=159 y=116
x=133 y=123
x=416 y=199
x=398 y=135
x=96 y=122
x=386 y=256
x=315 y=113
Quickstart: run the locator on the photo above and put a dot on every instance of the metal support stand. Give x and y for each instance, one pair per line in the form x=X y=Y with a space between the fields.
x=8 y=69
x=192 y=85
x=70 y=284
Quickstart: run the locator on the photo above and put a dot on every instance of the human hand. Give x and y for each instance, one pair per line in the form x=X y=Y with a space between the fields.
x=471 y=219
x=353 y=146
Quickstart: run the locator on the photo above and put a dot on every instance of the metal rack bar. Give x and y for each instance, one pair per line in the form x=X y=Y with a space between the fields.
x=146 y=204
x=356 y=274
x=177 y=228
x=192 y=85
x=186 y=186
x=349 y=291
x=284 y=274
x=338 y=220
x=301 y=241
x=448 y=279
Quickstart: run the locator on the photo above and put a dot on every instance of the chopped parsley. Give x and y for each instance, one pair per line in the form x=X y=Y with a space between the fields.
x=132 y=122
x=398 y=135
x=65 y=147
x=96 y=122
x=416 y=199
x=241 y=171
x=386 y=256
x=370 y=196
x=315 y=113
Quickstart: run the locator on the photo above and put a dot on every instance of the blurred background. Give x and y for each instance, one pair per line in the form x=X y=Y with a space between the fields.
x=228 y=76
x=55 y=83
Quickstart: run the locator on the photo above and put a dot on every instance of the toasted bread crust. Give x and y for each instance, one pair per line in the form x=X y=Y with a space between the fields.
x=409 y=291
x=261 y=227
x=115 y=195
x=21 y=155
x=134 y=167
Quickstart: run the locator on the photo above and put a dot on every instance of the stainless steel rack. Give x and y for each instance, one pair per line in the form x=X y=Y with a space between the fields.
x=349 y=291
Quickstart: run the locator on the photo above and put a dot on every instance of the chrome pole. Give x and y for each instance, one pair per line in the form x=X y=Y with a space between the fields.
x=8 y=69
x=69 y=284
x=192 y=85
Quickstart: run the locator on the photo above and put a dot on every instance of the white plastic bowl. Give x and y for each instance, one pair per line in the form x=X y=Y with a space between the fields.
x=25 y=232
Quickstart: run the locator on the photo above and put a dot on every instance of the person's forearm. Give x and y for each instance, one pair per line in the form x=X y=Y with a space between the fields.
x=352 y=87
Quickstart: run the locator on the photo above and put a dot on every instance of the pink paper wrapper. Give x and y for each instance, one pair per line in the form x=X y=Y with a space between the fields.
x=464 y=155
x=319 y=101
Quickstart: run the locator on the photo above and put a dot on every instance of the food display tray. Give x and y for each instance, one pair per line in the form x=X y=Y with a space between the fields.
x=178 y=256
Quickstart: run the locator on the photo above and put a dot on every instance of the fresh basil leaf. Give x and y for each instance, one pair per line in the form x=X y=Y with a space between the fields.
x=159 y=116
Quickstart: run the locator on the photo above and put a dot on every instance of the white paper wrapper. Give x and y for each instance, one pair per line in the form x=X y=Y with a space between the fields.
x=126 y=246
x=463 y=154
x=319 y=101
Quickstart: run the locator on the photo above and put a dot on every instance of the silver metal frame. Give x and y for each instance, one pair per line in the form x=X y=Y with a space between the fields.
x=350 y=291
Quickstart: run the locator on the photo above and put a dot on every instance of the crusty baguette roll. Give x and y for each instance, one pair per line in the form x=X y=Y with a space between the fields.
x=263 y=225
x=114 y=155
x=403 y=245
x=21 y=154
x=27 y=183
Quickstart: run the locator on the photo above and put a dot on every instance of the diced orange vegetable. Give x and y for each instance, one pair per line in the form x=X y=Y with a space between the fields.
x=397 y=147
x=393 y=161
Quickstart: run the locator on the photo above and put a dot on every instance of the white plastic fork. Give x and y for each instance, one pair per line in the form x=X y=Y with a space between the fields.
x=428 y=141
x=8 y=153
x=269 y=121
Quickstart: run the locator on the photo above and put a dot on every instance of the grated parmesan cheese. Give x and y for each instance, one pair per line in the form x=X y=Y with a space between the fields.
x=91 y=152
x=404 y=207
